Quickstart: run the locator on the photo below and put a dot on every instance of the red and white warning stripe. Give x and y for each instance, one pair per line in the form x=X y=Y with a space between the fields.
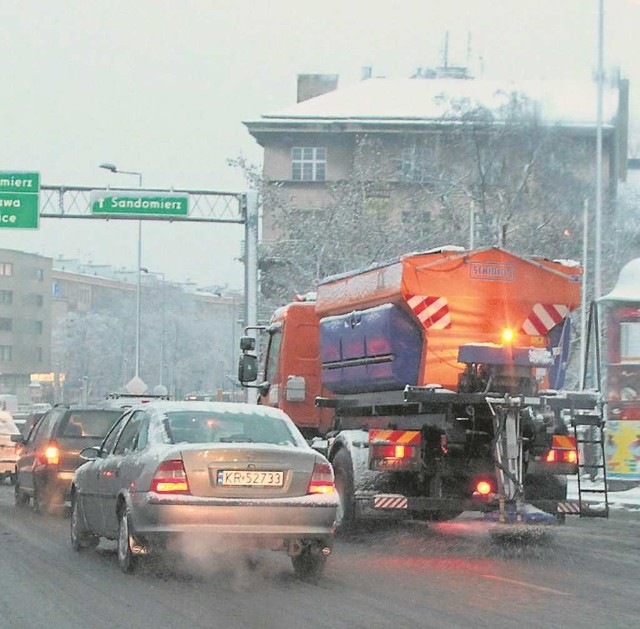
x=390 y=501
x=403 y=437
x=433 y=312
x=563 y=442
x=568 y=507
x=543 y=317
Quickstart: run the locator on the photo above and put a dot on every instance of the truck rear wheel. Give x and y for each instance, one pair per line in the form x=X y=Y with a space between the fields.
x=343 y=470
x=21 y=499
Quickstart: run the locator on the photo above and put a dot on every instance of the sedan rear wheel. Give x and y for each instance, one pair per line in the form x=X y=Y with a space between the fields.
x=21 y=499
x=309 y=565
x=80 y=539
x=126 y=559
x=40 y=503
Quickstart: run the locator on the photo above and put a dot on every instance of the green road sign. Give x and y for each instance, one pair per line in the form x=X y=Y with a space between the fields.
x=19 y=200
x=20 y=182
x=136 y=203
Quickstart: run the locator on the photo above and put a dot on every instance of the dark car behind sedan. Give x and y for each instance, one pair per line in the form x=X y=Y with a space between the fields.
x=170 y=474
x=50 y=453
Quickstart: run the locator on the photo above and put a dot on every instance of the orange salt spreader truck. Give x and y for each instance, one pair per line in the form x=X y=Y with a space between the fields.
x=433 y=383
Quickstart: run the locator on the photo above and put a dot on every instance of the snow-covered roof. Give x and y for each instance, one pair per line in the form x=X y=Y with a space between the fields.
x=627 y=287
x=407 y=101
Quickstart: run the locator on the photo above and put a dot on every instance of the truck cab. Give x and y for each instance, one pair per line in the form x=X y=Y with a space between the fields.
x=291 y=377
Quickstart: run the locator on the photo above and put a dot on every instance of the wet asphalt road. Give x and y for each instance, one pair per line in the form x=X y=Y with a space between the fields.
x=587 y=574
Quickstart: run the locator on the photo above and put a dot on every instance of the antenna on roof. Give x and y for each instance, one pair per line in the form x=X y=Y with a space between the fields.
x=445 y=52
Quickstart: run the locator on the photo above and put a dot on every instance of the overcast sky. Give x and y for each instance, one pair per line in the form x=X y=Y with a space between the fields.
x=162 y=87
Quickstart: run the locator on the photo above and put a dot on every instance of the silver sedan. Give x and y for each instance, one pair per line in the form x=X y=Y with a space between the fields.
x=177 y=475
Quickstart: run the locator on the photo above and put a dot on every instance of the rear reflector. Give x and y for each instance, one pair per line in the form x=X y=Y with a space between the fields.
x=321 y=480
x=170 y=478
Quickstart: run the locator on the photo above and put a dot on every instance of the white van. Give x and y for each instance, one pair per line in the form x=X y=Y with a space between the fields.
x=8 y=450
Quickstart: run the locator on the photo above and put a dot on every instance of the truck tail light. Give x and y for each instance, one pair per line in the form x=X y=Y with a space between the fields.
x=394 y=451
x=561 y=456
x=563 y=450
x=170 y=478
x=321 y=480
x=52 y=454
x=483 y=488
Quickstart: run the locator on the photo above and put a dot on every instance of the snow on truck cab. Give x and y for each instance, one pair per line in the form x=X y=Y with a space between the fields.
x=435 y=381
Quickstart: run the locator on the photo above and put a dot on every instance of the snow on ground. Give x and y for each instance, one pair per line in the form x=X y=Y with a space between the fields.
x=628 y=499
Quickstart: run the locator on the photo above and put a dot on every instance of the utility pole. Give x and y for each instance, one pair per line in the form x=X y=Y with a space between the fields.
x=597 y=283
x=251 y=269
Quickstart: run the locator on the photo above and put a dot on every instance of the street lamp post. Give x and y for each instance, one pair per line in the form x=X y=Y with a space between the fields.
x=145 y=270
x=114 y=169
x=597 y=289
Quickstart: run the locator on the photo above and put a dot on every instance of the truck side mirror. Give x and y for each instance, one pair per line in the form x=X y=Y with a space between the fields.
x=247 y=368
x=247 y=343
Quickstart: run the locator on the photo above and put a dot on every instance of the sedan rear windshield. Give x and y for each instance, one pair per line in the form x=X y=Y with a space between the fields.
x=207 y=427
x=88 y=423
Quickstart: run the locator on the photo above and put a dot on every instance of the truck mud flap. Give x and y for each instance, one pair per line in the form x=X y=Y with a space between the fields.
x=382 y=506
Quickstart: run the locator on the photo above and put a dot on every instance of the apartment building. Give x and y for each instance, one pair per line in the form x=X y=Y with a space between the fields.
x=25 y=319
x=56 y=343
x=413 y=129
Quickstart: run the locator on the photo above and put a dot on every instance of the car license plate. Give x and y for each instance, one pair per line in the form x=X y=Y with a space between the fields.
x=250 y=478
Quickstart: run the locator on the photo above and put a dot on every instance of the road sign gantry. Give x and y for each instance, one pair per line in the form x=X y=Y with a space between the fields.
x=208 y=206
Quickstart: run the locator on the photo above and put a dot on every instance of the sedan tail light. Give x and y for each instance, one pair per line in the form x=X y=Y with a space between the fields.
x=52 y=454
x=170 y=478
x=321 y=480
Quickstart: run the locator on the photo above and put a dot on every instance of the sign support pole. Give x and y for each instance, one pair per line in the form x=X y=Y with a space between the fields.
x=251 y=269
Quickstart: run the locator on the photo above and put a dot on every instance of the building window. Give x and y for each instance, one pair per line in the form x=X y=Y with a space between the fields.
x=6 y=269
x=418 y=163
x=5 y=353
x=6 y=325
x=308 y=163
x=33 y=327
x=33 y=299
x=6 y=296
x=378 y=208
x=39 y=273
x=38 y=354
